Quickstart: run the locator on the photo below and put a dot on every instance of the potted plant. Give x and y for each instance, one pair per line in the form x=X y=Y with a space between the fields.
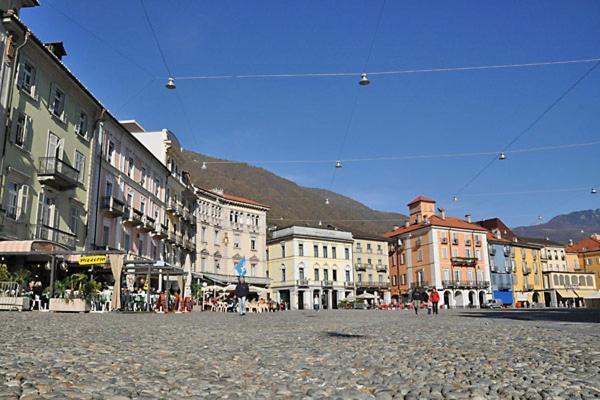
x=75 y=294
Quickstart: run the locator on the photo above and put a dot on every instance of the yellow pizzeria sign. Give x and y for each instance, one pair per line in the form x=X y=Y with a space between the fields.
x=91 y=260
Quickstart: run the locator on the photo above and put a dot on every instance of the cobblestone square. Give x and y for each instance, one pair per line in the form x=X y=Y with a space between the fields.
x=332 y=354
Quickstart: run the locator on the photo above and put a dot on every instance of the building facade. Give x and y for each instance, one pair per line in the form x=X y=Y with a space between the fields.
x=306 y=262
x=588 y=253
x=47 y=153
x=442 y=252
x=371 y=269
x=229 y=228
x=179 y=198
x=129 y=204
x=528 y=285
x=501 y=259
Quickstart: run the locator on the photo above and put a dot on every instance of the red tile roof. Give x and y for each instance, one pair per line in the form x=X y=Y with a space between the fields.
x=421 y=198
x=585 y=245
x=448 y=222
x=243 y=200
x=492 y=237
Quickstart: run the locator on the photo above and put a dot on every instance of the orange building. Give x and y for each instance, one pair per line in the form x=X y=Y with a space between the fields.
x=588 y=252
x=447 y=253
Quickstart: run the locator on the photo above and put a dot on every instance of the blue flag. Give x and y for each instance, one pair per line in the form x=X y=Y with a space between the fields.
x=240 y=267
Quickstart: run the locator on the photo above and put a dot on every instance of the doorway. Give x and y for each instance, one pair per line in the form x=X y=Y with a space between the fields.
x=334 y=300
x=301 y=300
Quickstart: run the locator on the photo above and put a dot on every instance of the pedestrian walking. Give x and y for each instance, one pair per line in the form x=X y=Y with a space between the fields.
x=316 y=303
x=416 y=300
x=241 y=292
x=435 y=299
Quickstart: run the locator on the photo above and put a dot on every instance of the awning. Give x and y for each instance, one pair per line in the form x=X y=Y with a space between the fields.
x=505 y=296
x=28 y=246
x=566 y=294
x=587 y=293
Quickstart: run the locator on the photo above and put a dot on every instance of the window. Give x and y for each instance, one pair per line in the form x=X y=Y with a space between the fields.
x=470 y=277
x=468 y=253
x=22 y=127
x=143 y=205
x=316 y=250
x=252 y=269
x=216 y=236
x=203 y=264
x=369 y=262
x=394 y=280
x=80 y=166
x=445 y=253
x=252 y=244
x=26 y=80
x=143 y=178
x=317 y=274
x=380 y=277
x=282 y=250
x=236 y=241
x=359 y=277
x=130 y=167
x=454 y=252
x=141 y=246
x=402 y=259
x=156 y=186
x=324 y=251
x=108 y=190
x=334 y=252
x=74 y=220
x=420 y=255
x=446 y=274
x=82 y=125
x=203 y=234
x=347 y=253
x=334 y=275
x=110 y=153
x=127 y=242
x=368 y=247
x=325 y=274
x=301 y=249
x=456 y=276
x=588 y=261
x=12 y=196
x=301 y=273
x=57 y=103
x=478 y=254
x=105 y=236
x=347 y=275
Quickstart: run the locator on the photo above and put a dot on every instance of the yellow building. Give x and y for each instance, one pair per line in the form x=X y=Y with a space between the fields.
x=528 y=286
x=371 y=271
x=588 y=252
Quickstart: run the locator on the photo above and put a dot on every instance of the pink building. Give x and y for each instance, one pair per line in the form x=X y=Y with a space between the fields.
x=130 y=213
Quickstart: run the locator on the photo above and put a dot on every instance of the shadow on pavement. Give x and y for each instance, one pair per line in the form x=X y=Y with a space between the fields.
x=556 y=315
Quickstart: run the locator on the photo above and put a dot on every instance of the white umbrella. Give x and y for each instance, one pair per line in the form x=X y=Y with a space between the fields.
x=365 y=296
x=256 y=289
x=212 y=288
x=229 y=288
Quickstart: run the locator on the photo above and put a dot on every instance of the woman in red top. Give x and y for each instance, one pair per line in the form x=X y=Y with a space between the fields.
x=434 y=297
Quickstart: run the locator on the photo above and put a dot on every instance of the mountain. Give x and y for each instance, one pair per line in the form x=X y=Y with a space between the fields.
x=564 y=227
x=296 y=204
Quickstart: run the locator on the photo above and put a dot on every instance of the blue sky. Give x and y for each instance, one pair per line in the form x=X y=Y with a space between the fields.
x=306 y=118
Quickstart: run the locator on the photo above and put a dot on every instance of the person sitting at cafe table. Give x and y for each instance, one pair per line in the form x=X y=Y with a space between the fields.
x=161 y=303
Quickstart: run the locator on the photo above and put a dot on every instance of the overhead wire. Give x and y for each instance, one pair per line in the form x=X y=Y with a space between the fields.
x=392 y=72
x=535 y=121
x=160 y=50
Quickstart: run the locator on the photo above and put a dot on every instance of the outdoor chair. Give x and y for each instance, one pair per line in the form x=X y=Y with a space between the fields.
x=40 y=304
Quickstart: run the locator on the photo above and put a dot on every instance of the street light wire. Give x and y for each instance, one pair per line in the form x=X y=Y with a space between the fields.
x=160 y=50
x=531 y=125
x=409 y=157
x=392 y=72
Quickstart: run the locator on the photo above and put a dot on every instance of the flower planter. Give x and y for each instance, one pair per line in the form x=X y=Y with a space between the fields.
x=64 y=305
x=14 y=303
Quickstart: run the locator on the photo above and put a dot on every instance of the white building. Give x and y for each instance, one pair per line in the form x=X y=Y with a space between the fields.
x=306 y=262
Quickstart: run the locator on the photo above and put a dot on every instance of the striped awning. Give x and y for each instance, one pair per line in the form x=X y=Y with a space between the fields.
x=28 y=246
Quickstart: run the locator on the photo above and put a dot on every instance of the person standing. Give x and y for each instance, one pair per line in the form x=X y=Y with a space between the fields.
x=241 y=292
x=416 y=300
x=435 y=299
x=316 y=302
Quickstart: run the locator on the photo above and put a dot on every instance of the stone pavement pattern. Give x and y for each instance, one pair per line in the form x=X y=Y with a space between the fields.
x=336 y=354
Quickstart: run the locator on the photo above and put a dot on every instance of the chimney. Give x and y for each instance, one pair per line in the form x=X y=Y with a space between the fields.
x=396 y=227
x=468 y=217
x=57 y=48
x=570 y=242
x=497 y=233
x=407 y=224
x=442 y=213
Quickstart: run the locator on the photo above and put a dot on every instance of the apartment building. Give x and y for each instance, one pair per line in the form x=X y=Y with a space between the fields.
x=434 y=250
x=305 y=262
x=47 y=148
x=130 y=210
x=371 y=270
x=229 y=228
x=588 y=253
x=179 y=198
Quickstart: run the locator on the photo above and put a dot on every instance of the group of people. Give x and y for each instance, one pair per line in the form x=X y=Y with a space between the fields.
x=36 y=291
x=431 y=300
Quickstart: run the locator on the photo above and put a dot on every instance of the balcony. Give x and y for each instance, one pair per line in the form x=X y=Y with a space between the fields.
x=380 y=268
x=468 y=242
x=132 y=217
x=45 y=232
x=160 y=231
x=302 y=282
x=448 y=284
x=367 y=285
x=179 y=240
x=361 y=267
x=503 y=286
x=477 y=243
x=419 y=285
x=462 y=284
x=349 y=285
x=327 y=283
x=483 y=285
x=171 y=206
x=147 y=223
x=111 y=206
x=171 y=237
x=464 y=261
x=57 y=173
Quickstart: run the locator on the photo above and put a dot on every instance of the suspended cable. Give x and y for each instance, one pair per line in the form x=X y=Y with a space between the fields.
x=135 y=95
x=407 y=157
x=530 y=126
x=392 y=72
x=160 y=50
x=579 y=189
x=100 y=39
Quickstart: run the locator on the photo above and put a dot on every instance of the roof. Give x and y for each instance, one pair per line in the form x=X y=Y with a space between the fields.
x=492 y=238
x=366 y=236
x=421 y=198
x=585 y=245
x=448 y=222
x=542 y=242
x=243 y=200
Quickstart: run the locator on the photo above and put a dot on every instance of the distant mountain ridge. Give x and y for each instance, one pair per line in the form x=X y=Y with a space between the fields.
x=565 y=226
x=295 y=204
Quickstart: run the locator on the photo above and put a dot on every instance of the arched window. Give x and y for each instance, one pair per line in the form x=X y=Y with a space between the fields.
x=581 y=280
x=589 y=280
x=573 y=280
x=562 y=280
x=556 y=280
